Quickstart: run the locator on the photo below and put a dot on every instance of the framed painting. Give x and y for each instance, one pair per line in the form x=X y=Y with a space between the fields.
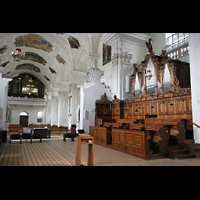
x=106 y=54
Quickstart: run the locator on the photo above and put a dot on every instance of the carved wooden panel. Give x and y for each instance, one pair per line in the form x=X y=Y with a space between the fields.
x=122 y=137
x=116 y=136
x=103 y=134
x=170 y=108
x=180 y=106
x=161 y=107
x=189 y=105
x=147 y=109
x=141 y=109
x=95 y=132
x=129 y=138
x=99 y=134
x=138 y=150
x=154 y=110
x=138 y=140
x=130 y=109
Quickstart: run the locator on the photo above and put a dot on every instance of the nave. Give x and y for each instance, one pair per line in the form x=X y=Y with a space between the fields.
x=56 y=152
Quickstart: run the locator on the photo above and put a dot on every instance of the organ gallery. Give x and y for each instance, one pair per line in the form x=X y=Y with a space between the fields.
x=156 y=116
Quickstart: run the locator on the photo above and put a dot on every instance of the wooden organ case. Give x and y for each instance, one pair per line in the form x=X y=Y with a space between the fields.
x=158 y=113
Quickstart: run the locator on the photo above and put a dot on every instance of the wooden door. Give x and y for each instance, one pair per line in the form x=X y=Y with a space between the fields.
x=24 y=121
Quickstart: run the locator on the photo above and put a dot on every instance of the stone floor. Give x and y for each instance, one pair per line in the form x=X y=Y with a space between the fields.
x=56 y=152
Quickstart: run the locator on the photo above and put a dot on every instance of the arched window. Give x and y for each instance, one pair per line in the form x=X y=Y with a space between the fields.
x=24 y=113
x=39 y=116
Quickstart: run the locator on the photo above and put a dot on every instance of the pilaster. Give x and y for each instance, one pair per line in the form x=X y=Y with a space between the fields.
x=91 y=60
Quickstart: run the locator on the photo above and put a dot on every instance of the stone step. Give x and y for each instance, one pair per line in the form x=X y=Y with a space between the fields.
x=181 y=154
x=185 y=156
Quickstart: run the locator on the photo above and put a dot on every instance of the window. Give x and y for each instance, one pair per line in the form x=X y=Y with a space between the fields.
x=39 y=116
x=176 y=39
x=177 y=44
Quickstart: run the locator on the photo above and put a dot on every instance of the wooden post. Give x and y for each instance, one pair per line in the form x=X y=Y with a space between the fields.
x=144 y=80
x=140 y=84
x=155 y=76
x=84 y=139
x=161 y=79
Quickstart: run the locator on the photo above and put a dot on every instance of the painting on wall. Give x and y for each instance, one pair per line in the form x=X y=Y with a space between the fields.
x=60 y=59
x=74 y=43
x=34 y=57
x=34 y=41
x=106 y=54
x=28 y=66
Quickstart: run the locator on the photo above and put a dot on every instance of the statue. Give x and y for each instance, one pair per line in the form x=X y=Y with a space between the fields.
x=149 y=46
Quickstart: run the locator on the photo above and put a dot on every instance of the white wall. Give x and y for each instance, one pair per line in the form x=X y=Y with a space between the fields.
x=3 y=101
x=32 y=113
x=89 y=93
x=159 y=42
x=194 y=46
x=138 y=53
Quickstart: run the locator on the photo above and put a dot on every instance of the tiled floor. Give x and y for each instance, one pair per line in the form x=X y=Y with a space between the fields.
x=55 y=152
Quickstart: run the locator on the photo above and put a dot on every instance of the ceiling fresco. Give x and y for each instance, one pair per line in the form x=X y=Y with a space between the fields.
x=60 y=59
x=74 y=43
x=4 y=64
x=54 y=56
x=28 y=66
x=46 y=78
x=3 y=49
x=34 y=41
x=34 y=57
x=52 y=70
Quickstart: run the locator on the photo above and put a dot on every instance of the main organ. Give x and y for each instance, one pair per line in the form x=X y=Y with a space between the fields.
x=156 y=116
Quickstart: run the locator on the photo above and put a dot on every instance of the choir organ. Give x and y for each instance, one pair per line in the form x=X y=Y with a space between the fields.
x=156 y=116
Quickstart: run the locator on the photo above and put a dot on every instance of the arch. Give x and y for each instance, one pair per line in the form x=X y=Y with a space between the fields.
x=23 y=113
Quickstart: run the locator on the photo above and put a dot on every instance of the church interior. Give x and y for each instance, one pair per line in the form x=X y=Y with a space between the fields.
x=132 y=97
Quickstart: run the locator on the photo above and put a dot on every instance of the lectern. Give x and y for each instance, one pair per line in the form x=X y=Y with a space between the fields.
x=84 y=139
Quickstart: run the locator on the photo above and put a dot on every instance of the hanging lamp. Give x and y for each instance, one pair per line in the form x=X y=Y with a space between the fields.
x=17 y=54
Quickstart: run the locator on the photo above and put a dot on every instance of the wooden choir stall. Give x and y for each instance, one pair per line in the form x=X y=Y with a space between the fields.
x=156 y=119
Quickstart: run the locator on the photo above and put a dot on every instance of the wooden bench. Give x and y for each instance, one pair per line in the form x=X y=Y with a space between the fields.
x=15 y=137
x=58 y=130
x=14 y=129
x=25 y=136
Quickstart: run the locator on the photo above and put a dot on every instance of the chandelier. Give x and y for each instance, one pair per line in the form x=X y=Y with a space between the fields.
x=18 y=55
x=30 y=88
x=148 y=75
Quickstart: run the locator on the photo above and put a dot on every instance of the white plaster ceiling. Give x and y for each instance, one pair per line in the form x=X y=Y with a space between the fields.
x=72 y=71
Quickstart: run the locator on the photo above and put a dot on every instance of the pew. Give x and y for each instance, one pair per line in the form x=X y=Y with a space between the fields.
x=58 y=130
x=15 y=129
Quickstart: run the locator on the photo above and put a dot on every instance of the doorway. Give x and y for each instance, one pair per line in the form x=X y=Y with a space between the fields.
x=23 y=121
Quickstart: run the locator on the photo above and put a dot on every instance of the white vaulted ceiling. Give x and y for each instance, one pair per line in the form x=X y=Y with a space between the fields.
x=48 y=46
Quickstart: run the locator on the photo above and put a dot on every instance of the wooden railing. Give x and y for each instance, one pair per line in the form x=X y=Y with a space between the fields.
x=196 y=125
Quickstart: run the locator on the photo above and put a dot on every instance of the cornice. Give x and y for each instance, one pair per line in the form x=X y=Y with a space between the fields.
x=135 y=38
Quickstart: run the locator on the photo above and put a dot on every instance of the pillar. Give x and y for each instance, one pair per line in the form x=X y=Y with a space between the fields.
x=48 y=109
x=194 y=46
x=3 y=101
